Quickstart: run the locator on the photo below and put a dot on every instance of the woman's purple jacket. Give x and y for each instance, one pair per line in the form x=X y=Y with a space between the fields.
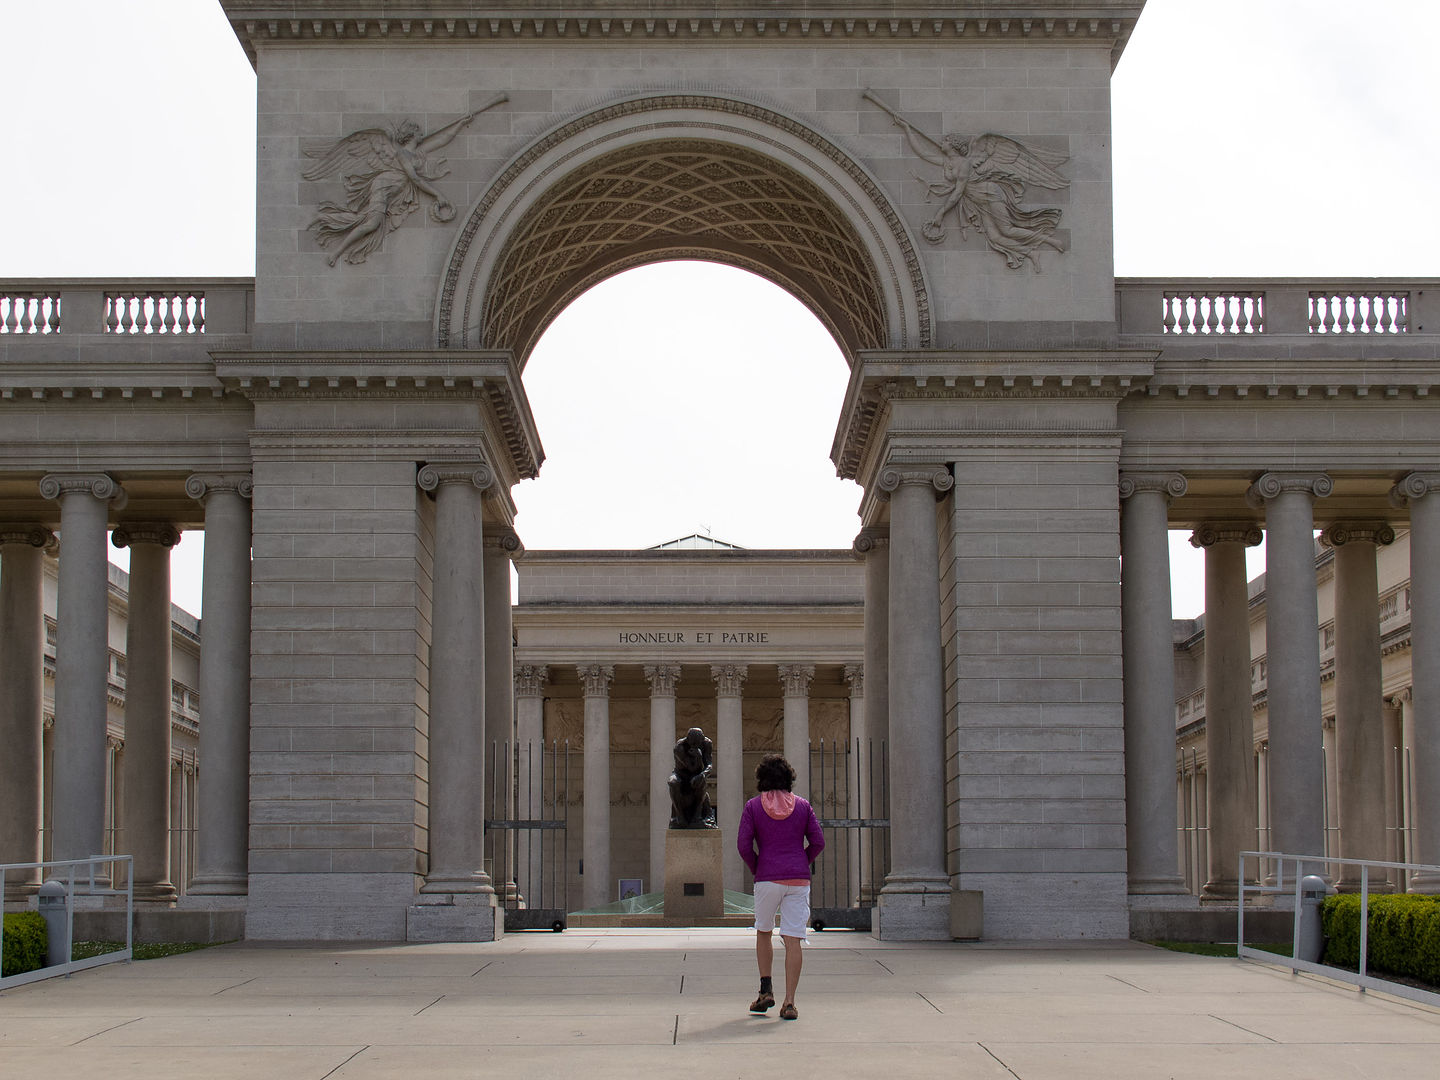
x=787 y=848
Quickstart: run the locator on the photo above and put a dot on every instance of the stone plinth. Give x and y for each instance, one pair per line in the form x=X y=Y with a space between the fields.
x=458 y=917
x=694 y=886
x=920 y=915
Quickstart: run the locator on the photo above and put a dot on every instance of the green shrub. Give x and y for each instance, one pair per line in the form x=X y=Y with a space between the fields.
x=1403 y=935
x=26 y=940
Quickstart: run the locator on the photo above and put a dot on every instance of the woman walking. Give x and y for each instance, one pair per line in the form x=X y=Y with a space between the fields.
x=779 y=839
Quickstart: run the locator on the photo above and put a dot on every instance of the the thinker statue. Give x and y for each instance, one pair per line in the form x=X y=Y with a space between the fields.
x=689 y=784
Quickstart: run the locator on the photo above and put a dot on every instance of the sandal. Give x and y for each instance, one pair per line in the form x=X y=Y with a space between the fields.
x=763 y=1002
x=787 y=1012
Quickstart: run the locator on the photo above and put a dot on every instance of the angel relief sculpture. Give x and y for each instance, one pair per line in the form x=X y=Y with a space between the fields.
x=384 y=173
x=983 y=180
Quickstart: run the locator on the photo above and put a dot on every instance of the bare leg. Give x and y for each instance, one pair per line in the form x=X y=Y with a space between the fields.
x=765 y=952
x=793 y=960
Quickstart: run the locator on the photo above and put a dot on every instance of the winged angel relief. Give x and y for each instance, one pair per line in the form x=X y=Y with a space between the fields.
x=983 y=180
x=384 y=173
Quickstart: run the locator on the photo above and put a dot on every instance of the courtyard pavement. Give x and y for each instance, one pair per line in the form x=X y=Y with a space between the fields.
x=597 y=1004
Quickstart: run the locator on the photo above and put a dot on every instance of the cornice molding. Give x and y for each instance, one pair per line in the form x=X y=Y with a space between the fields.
x=258 y=23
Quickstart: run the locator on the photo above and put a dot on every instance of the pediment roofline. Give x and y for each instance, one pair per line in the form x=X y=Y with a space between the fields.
x=258 y=22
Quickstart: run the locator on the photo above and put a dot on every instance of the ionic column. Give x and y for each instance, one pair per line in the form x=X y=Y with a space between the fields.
x=1418 y=490
x=82 y=662
x=530 y=683
x=22 y=660
x=1149 y=681
x=595 y=682
x=1292 y=622
x=222 y=855
x=855 y=676
x=730 y=763
x=662 y=679
x=457 y=679
x=1229 y=719
x=795 y=686
x=146 y=816
x=917 y=888
x=873 y=544
x=1359 y=695
x=500 y=546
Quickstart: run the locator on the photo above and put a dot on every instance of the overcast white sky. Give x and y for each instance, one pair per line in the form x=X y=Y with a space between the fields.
x=1251 y=137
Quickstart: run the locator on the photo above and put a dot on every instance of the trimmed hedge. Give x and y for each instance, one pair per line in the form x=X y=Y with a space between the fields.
x=26 y=940
x=1404 y=934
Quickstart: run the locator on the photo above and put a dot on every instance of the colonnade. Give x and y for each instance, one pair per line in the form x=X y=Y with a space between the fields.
x=78 y=739
x=1288 y=503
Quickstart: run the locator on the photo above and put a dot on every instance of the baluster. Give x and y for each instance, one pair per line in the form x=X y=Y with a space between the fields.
x=157 y=306
x=1259 y=320
x=1314 y=315
x=112 y=321
x=127 y=317
x=1187 y=314
x=1331 y=303
x=182 y=314
x=170 y=302
x=1386 y=302
x=53 y=322
x=1402 y=313
x=10 y=321
x=199 y=320
x=1212 y=314
x=1372 y=313
x=1167 y=309
x=27 y=314
x=1227 y=324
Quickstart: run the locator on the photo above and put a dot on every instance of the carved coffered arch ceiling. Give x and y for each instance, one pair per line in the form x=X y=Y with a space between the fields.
x=591 y=203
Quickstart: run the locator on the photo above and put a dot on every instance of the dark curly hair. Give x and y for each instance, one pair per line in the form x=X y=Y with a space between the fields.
x=774 y=773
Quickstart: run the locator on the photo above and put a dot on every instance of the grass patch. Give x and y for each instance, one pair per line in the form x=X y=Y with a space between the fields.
x=154 y=950
x=1220 y=948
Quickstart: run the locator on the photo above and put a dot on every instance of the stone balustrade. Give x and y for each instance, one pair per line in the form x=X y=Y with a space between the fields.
x=127 y=306
x=1224 y=307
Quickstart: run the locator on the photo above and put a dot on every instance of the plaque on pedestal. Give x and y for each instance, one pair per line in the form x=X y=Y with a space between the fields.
x=693 y=883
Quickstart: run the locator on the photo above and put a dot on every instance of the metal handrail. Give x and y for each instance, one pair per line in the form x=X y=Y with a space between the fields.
x=1304 y=864
x=87 y=877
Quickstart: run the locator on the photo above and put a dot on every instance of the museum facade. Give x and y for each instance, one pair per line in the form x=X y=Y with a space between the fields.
x=435 y=184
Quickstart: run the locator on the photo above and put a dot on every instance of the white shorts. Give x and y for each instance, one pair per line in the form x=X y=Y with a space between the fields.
x=791 y=902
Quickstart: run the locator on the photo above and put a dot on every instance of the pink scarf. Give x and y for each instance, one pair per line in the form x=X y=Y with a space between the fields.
x=778 y=804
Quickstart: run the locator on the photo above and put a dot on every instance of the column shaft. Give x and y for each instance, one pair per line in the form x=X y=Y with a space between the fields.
x=223 y=814
x=82 y=664
x=1425 y=673
x=1359 y=700
x=1229 y=719
x=795 y=681
x=1292 y=621
x=22 y=659
x=498 y=801
x=874 y=545
x=532 y=763
x=662 y=679
x=457 y=682
x=730 y=763
x=595 y=679
x=1149 y=684
x=146 y=811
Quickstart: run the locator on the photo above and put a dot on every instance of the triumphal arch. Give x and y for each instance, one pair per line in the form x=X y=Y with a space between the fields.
x=437 y=180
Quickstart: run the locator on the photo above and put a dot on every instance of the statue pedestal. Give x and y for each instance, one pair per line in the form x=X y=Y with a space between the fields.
x=694 y=888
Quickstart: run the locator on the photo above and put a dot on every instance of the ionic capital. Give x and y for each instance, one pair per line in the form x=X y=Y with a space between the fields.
x=855 y=676
x=531 y=680
x=595 y=679
x=1227 y=532
x=874 y=538
x=145 y=532
x=795 y=678
x=1273 y=484
x=1360 y=532
x=729 y=678
x=1170 y=484
x=939 y=477
x=201 y=485
x=504 y=539
x=101 y=485
x=431 y=476
x=30 y=536
x=662 y=679
x=1415 y=485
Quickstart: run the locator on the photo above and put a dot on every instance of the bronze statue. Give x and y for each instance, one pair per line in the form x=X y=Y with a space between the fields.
x=689 y=784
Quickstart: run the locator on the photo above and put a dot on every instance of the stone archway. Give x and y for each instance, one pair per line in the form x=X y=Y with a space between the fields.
x=690 y=176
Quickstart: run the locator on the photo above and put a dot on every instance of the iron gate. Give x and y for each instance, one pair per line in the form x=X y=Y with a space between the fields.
x=850 y=791
x=527 y=833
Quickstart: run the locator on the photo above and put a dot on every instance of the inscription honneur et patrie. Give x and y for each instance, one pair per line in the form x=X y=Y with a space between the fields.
x=694 y=637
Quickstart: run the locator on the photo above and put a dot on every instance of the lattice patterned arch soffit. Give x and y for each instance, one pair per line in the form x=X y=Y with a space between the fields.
x=680 y=197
